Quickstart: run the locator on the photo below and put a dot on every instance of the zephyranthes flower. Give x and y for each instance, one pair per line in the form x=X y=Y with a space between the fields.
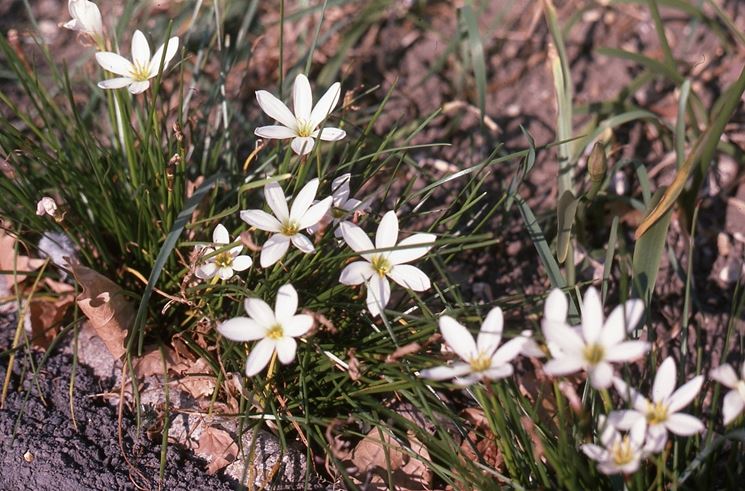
x=276 y=329
x=734 y=400
x=618 y=454
x=378 y=265
x=661 y=414
x=288 y=223
x=136 y=74
x=482 y=358
x=86 y=19
x=302 y=126
x=223 y=263
x=595 y=344
x=343 y=206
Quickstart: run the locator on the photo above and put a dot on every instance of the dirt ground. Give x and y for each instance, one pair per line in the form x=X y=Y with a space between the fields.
x=519 y=94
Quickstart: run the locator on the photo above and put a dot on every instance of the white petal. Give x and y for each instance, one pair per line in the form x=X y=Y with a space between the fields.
x=499 y=372
x=684 y=424
x=592 y=316
x=625 y=419
x=242 y=263
x=331 y=134
x=170 y=53
x=457 y=337
x=490 y=334
x=302 y=145
x=302 y=97
x=564 y=337
x=627 y=315
x=725 y=375
x=325 y=105
x=114 y=63
x=446 y=372
x=626 y=351
x=378 y=294
x=303 y=200
x=563 y=366
x=340 y=189
x=316 y=212
x=261 y=220
x=387 y=234
x=297 y=325
x=656 y=438
x=664 y=380
x=468 y=380
x=286 y=348
x=276 y=109
x=356 y=273
x=508 y=351
x=276 y=200
x=115 y=83
x=732 y=406
x=685 y=394
x=206 y=270
x=410 y=277
x=286 y=304
x=225 y=273
x=260 y=311
x=556 y=307
x=355 y=237
x=601 y=375
x=220 y=235
x=274 y=249
x=140 y=50
x=303 y=243
x=241 y=329
x=614 y=330
x=275 y=132
x=259 y=357
x=139 y=87
x=406 y=252
x=595 y=452
x=628 y=393
x=86 y=17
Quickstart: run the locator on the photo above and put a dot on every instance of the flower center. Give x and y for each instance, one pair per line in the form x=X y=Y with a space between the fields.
x=381 y=264
x=622 y=452
x=656 y=413
x=289 y=228
x=275 y=332
x=224 y=260
x=594 y=354
x=338 y=213
x=480 y=363
x=140 y=73
x=304 y=128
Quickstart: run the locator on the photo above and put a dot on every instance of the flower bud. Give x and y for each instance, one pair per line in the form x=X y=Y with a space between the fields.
x=597 y=164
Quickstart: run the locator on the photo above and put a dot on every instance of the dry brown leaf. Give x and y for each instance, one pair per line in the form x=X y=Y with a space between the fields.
x=197 y=378
x=45 y=317
x=484 y=441
x=10 y=262
x=218 y=448
x=104 y=304
x=151 y=363
x=408 y=473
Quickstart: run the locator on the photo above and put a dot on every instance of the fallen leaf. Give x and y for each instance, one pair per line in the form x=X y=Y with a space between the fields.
x=10 y=261
x=218 y=448
x=378 y=450
x=151 y=363
x=104 y=304
x=197 y=378
x=44 y=317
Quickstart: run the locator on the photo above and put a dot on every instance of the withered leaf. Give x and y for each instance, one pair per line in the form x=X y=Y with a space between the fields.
x=218 y=448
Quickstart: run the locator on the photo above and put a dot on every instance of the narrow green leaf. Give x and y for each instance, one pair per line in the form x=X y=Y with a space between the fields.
x=476 y=48
x=566 y=213
x=647 y=254
x=539 y=241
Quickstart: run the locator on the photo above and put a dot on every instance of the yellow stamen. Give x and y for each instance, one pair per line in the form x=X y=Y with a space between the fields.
x=289 y=228
x=304 y=128
x=381 y=264
x=622 y=452
x=656 y=413
x=480 y=363
x=275 y=332
x=224 y=260
x=594 y=354
x=140 y=73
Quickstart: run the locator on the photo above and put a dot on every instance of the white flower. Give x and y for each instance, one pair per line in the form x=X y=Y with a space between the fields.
x=223 y=263
x=276 y=330
x=734 y=400
x=46 y=206
x=595 y=344
x=618 y=454
x=662 y=413
x=302 y=126
x=342 y=207
x=379 y=264
x=288 y=223
x=483 y=358
x=86 y=19
x=136 y=74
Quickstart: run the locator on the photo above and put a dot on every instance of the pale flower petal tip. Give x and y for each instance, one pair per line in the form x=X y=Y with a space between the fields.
x=86 y=19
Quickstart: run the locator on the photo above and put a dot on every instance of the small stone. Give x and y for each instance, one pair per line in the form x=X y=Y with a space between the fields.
x=28 y=457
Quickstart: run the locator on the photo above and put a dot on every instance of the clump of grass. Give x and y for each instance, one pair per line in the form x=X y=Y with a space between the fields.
x=141 y=185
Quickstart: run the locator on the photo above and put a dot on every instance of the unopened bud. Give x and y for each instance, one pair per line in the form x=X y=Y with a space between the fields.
x=597 y=164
